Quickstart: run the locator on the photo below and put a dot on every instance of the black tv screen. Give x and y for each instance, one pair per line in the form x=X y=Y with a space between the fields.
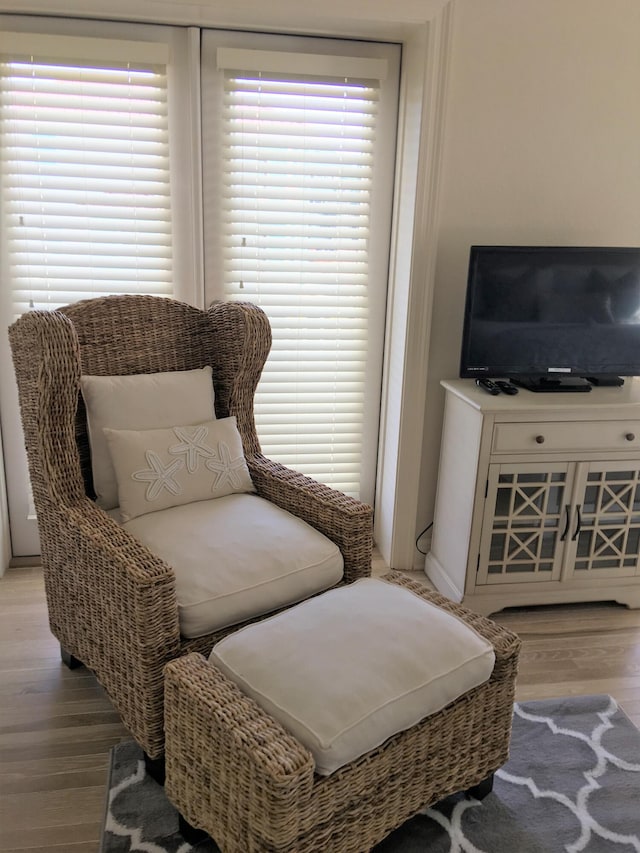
x=545 y=315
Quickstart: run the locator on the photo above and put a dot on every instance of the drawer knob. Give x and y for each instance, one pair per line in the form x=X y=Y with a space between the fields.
x=539 y=439
x=630 y=436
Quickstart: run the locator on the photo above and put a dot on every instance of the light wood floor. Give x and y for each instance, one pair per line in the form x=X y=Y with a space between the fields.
x=57 y=726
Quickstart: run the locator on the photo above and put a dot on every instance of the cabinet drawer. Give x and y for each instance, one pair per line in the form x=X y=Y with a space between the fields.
x=568 y=436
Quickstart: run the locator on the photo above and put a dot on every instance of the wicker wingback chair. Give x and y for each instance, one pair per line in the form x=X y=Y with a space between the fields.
x=111 y=602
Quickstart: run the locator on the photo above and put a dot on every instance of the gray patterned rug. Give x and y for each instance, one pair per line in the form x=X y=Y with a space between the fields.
x=572 y=784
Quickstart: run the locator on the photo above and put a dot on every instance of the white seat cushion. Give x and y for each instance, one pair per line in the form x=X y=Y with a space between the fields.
x=236 y=557
x=346 y=670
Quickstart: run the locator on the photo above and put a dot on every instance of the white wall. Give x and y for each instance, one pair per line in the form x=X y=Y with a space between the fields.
x=542 y=146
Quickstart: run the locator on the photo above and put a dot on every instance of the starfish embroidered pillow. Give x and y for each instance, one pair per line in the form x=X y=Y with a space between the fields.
x=161 y=468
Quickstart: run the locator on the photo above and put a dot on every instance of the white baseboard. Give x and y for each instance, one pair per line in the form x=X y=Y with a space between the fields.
x=441 y=580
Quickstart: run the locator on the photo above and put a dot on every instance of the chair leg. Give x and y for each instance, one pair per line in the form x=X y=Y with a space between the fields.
x=191 y=834
x=69 y=660
x=155 y=768
x=480 y=791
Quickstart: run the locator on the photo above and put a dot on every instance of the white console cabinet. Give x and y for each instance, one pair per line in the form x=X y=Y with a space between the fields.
x=538 y=498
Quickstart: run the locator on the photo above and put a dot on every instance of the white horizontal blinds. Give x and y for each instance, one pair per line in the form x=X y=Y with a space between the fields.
x=298 y=161
x=86 y=205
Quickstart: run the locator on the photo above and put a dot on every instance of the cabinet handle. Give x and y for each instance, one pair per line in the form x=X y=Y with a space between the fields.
x=630 y=436
x=539 y=439
x=566 y=525
x=578 y=524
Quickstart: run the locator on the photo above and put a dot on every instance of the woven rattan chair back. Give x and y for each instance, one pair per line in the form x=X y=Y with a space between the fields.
x=123 y=335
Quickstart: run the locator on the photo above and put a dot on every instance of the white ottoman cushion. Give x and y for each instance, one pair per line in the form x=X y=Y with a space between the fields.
x=236 y=557
x=346 y=670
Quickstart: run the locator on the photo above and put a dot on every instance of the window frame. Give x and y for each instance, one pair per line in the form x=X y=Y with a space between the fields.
x=296 y=56
x=180 y=47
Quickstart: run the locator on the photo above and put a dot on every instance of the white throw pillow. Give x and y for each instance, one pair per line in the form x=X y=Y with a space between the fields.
x=161 y=468
x=346 y=670
x=140 y=401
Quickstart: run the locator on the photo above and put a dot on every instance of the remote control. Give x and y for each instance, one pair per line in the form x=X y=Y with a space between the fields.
x=489 y=386
x=507 y=387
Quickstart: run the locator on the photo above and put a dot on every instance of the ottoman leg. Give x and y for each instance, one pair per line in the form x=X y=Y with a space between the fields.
x=480 y=791
x=191 y=834
x=155 y=768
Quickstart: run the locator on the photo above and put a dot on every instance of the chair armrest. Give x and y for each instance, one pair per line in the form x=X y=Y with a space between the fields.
x=112 y=604
x=229 y=761
x=346 y=521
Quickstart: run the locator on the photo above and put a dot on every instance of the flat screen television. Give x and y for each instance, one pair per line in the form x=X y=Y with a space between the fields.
x=552 y=318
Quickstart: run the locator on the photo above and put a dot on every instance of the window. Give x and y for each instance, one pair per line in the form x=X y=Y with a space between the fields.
x=85 y=168
x=92 y=155
x=102 y=193
x=296 y=167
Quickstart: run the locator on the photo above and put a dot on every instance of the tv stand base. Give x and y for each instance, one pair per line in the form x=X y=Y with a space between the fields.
x=560 y=383
x=606 y=381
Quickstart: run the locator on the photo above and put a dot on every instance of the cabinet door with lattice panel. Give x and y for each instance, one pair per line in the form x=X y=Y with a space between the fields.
x=526 y=521
x=605 y=526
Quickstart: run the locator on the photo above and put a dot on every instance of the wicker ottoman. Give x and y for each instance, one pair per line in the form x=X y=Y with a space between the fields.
x=235 y=773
